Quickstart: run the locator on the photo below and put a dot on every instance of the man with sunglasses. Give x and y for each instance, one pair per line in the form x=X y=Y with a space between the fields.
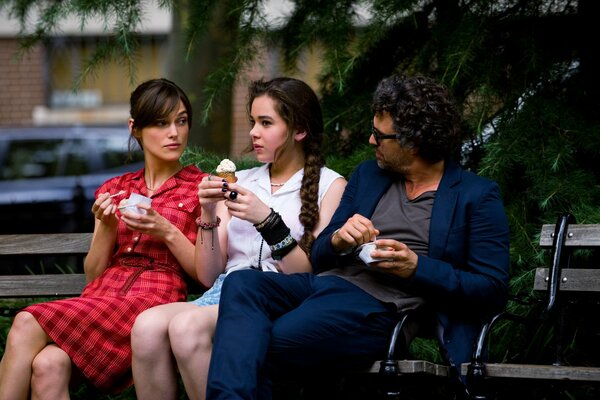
x=441 y=242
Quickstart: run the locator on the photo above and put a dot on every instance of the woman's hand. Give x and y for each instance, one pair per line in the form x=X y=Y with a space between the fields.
x=104 y=209
x=244 y=204
x=151 y=223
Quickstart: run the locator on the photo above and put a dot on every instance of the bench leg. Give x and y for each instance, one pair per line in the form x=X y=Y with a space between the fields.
x=388 y=380
x=476 y=382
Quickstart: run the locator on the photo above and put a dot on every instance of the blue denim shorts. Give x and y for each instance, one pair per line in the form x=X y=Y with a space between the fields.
x=212 y=295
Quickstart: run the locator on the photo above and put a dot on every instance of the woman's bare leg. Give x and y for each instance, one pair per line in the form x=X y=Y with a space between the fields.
x=154 y=369
x=51 y=374
x=25 y=340
x=191 y=335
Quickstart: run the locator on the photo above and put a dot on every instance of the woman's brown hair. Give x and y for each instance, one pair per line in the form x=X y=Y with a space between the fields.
x=155 y=100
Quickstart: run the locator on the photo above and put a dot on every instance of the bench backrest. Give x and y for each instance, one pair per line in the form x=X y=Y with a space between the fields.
x=578 y=236
x=49 y=285
x=44 y=285
x=560 y=278
x=44 y=244
x=575 y=236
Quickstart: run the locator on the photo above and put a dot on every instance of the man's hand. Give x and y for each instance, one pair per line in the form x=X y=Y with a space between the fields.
x=401 y=261
x=356 y=231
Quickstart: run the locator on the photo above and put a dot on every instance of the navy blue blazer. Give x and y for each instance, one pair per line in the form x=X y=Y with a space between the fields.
x=464 y=277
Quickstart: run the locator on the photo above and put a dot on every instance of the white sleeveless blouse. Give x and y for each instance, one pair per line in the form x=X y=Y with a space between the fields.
x=244 y=241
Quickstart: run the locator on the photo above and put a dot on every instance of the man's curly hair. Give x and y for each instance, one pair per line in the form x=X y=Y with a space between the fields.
x=423 y=112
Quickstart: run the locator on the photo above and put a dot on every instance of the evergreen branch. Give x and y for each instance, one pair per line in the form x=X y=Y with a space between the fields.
x=242 y=54
x=200 y=14
x=123 y=15
x=225 y=75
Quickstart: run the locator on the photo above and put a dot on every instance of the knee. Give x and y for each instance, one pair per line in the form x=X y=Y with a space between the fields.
x=147 y=333
x=23 y=324
x=238 y=283
x=237 y=278
x=191 y=333
x=248 y=288
x=49 y=366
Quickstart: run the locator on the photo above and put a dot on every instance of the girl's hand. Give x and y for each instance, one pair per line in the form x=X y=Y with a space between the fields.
x=244 y=204
x=104 y=209
x=210 y=192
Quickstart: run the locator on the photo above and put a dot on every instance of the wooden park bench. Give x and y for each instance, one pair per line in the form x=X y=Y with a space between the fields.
x=22 y=285
x=563 y=285
x=71 y=246
x=400 y=375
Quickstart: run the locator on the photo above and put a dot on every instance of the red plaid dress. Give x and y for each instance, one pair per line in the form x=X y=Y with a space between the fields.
x=94 y=329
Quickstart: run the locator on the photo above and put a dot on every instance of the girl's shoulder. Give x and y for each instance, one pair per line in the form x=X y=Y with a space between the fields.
x=328 y=175
x=328 y=171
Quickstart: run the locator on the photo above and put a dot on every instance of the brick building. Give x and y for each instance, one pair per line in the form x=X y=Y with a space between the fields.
x=37 y=87
x=22 y=83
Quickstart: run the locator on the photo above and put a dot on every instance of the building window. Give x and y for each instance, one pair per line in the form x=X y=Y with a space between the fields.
x=109 y=84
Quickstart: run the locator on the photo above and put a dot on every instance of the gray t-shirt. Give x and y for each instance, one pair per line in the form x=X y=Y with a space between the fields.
x=401 y=219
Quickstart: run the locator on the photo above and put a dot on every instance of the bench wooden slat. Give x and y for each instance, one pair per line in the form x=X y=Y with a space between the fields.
x=584 y=281
x=45 y=244
x=572 y=279
x=415 y=367
x=47 y=285
x=579 y=235
x=530 y=371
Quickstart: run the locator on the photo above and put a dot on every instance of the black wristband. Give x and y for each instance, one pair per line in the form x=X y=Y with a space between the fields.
x=275 y=231
x=260 y=225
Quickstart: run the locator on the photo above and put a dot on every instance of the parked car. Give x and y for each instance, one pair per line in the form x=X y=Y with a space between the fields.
x=48 y=175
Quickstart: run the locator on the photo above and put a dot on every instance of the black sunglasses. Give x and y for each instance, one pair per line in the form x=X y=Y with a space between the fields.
x=378 y=135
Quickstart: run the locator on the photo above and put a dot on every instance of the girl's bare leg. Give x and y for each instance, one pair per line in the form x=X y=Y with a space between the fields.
x=154 y=370
x=51 y=374
x=191 y=335
x=25 y=340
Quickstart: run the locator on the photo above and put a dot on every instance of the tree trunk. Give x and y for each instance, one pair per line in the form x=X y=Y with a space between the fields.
x=191 y=73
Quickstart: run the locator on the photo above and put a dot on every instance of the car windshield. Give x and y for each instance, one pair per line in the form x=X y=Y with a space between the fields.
x=34 y=159
x=115 y=153
x=51 y=157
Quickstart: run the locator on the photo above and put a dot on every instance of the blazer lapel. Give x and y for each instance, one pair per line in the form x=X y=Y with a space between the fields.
x=443 y=210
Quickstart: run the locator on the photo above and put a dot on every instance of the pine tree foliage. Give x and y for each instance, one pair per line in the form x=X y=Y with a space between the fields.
x=42 y=19
x=524 y=74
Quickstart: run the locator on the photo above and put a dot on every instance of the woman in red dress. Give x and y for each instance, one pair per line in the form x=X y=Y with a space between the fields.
x=136 y=261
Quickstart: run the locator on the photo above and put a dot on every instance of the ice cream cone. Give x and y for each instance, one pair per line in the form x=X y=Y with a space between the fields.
x=226 y=170
x=228 y=176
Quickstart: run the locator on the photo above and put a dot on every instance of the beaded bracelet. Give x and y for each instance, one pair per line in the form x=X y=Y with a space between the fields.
x=281 y=249
x=284 y=243
x=207 y=226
